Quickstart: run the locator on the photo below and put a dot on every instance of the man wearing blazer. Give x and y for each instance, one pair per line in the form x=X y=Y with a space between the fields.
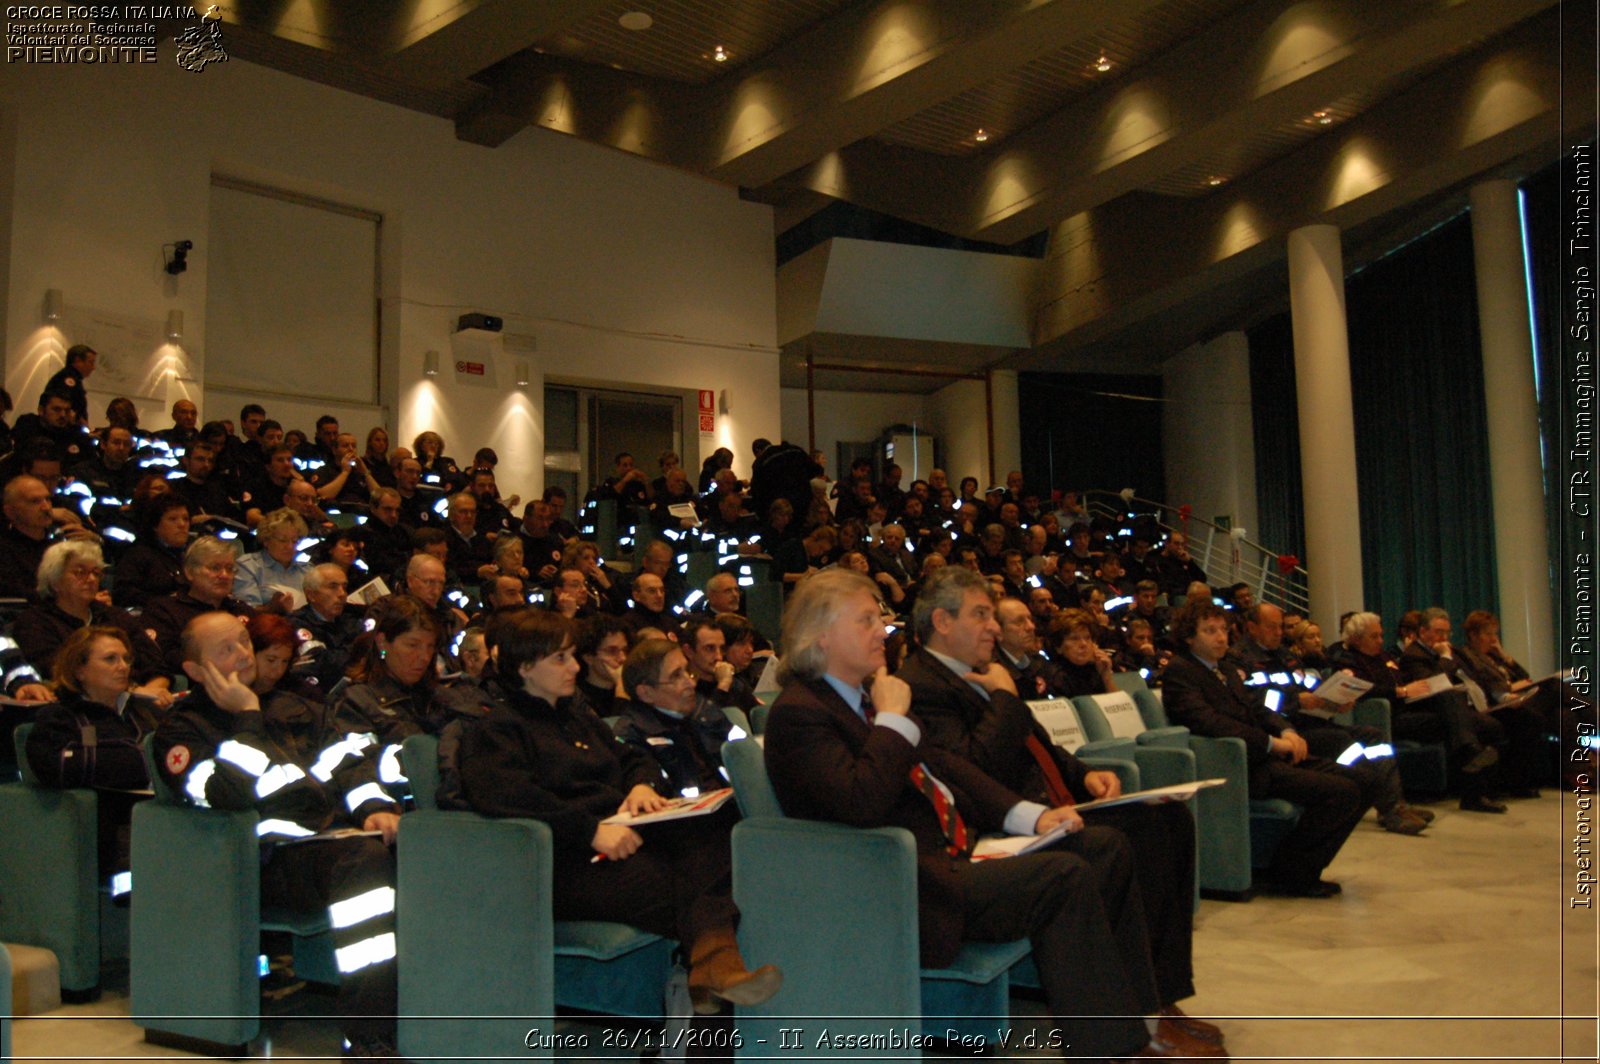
x=1210 y=698
x=837 y=752
x=969 y=705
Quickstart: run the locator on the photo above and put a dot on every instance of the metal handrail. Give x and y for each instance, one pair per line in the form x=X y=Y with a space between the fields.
x=1242 y=559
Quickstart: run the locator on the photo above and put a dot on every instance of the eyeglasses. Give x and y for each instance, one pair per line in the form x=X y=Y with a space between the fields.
x=222 y=569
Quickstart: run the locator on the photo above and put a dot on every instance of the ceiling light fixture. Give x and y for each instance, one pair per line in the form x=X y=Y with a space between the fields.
x=1214 y=181
x=720 y=54
x=980 y=136
x=635 y=20
x=1102 y=64
x=1323 y=118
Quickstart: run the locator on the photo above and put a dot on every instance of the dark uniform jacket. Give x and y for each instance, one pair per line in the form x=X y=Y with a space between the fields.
x=992 y=734
x=263 y=761
x=106 y=482
x=393 y=712
x=827 y=763
x=559 y=764
x=1221 y=706
x=163 y=620
x=384 y=548
x=324 y=644
x=40 y=631
x=19 y=563
x=149 y=570
x=80 y=743
x=688 y=749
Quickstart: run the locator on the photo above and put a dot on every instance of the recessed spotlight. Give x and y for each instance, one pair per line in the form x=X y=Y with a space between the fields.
x=720 y=54
x=1322 y=118
x=981 y=135
x=1102 y=64
x=1215 y=181
x=636 y=20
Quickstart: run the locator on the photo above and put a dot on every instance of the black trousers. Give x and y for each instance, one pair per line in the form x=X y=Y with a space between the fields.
x=1078 y=904
x=1333 y=800
x=679 y=884
x=1162 y=837
x=315 y=875
x=1328 y=740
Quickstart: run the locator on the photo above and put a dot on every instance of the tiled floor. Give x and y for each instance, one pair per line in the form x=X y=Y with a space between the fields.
x=1458 y=945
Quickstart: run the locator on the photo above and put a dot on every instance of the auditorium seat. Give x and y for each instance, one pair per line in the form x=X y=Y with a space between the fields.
x=445 y=948
x=790 y=874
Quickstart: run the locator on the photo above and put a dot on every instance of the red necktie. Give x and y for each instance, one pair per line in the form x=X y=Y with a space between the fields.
x=955 y=829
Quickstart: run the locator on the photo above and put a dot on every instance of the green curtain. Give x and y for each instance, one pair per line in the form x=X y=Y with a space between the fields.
x=1422 y=458
x=1275 y=422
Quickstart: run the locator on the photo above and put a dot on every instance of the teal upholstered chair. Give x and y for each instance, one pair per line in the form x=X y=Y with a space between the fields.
x=474 y=976
x=197 y=925
x=790 y=874
x=50 y=890
x=763 y=604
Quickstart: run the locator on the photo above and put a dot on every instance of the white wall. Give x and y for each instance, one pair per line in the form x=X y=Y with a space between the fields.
x=854 y=417
x=623 y=271
x=1207 y=431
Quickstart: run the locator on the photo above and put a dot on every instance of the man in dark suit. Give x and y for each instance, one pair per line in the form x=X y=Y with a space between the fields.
x=835 y=752
x=971 y=707
x=1478 y=741
x=1210 y=699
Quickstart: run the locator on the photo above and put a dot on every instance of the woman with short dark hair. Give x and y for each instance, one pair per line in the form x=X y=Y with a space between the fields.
x=543 y=756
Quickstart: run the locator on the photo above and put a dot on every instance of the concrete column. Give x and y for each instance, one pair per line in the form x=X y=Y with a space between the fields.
x=1209 y=435
x=1327 y=423
x=1007 y=424
x=1516 y=481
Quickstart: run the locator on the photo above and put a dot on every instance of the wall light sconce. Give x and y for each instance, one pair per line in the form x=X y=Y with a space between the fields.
x=430 y=364
x=523 y=373
x=174 y=325
x=54 y=304
x=724 y=398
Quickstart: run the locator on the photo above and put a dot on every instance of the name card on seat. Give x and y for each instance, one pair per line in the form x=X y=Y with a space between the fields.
x=1122 y=713
x=1060 y=719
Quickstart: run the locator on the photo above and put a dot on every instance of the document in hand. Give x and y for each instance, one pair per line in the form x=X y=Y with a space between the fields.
x=676 y=809
x=369 y=592
x=1342 y=688
x=1438 y=683
x=685 y=511
x=1012 y=845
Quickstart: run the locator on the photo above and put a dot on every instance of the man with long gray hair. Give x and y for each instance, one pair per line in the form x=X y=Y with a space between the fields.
x=840 y=750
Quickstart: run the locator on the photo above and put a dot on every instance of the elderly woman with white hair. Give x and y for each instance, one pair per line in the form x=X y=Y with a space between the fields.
x=70 y=598
x=266 y=577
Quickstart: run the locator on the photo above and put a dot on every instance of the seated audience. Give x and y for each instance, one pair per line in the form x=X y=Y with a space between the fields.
x=835 y=752
x=219 y=750
x=208 y=569
x=1211 y=700
x=667 y=721
x=393 y=689
x=270 y=576
x=546 y=757
x=69 y=598
x=1260 y=653
x=715 y=680
x=603 y=649
x=1082 y=667
x=326 y=627
x=1478 y=741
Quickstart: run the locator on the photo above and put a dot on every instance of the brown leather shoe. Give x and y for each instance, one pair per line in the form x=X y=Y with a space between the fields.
x=1172 y=1015
x=717 y=974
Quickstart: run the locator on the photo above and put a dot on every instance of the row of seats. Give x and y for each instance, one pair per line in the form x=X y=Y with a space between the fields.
x=475 y=900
